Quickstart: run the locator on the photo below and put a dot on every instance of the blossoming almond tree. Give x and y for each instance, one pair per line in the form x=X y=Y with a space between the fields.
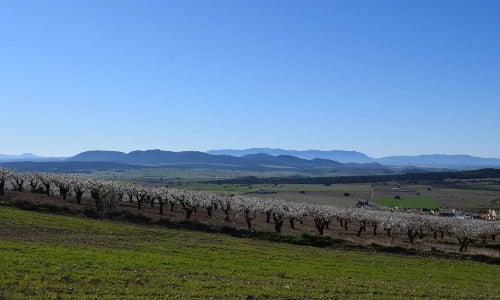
x=109 y=194
x=5 y=175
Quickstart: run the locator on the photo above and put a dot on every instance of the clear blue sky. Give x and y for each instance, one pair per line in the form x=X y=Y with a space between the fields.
x=380 y=77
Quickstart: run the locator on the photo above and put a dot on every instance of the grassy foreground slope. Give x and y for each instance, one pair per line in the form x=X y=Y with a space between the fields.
x=49 y=256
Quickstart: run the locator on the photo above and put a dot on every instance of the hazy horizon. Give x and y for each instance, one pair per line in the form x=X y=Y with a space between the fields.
x=371 y=156
x=382 y=78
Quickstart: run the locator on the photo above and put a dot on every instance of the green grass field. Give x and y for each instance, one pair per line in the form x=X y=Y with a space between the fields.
x=48 y=256
x=408 y=202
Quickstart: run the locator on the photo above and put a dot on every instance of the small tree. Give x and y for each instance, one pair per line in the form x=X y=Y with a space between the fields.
x=79 y=194
x=4 y=176
x=279 y=218
x=64 y=187
x=161 y=203
x=249 y=217
x=320 y=222
x=172 y=201
x=79 y=189
x=362 y=227
x=18 y=181
x=140 y=196
x=188 y=206
x=268 y=215
x=225 y=206
x=130 y=194
x=105 y=194
x=46 y=180
x=33 y=181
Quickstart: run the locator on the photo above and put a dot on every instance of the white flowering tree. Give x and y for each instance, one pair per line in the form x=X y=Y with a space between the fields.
x=33 y=181
x=109 y=194
x=46 y=180
x=5 y=175
x=225 y=205
x=322 y=217
x=63 y=183
x=469 y=231
x=79 y=185
x=18 y=180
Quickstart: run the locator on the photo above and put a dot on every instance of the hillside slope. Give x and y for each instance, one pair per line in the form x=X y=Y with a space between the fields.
x=50 y=256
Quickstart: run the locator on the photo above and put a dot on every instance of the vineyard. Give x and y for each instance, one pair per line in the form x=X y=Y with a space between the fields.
x=180 y=205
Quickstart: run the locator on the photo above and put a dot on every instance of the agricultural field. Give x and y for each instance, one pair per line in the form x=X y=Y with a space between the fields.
x=475 y=195
x=45 y=256
x=309 y=193
x=412 y=195
x=462 y=196
x=408 y=202
x=158 y=174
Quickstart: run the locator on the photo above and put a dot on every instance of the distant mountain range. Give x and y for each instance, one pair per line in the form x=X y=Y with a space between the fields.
x=436 y=160
x=249 y=162
x=267 y=158
x=440 y=160
x=336 y=155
